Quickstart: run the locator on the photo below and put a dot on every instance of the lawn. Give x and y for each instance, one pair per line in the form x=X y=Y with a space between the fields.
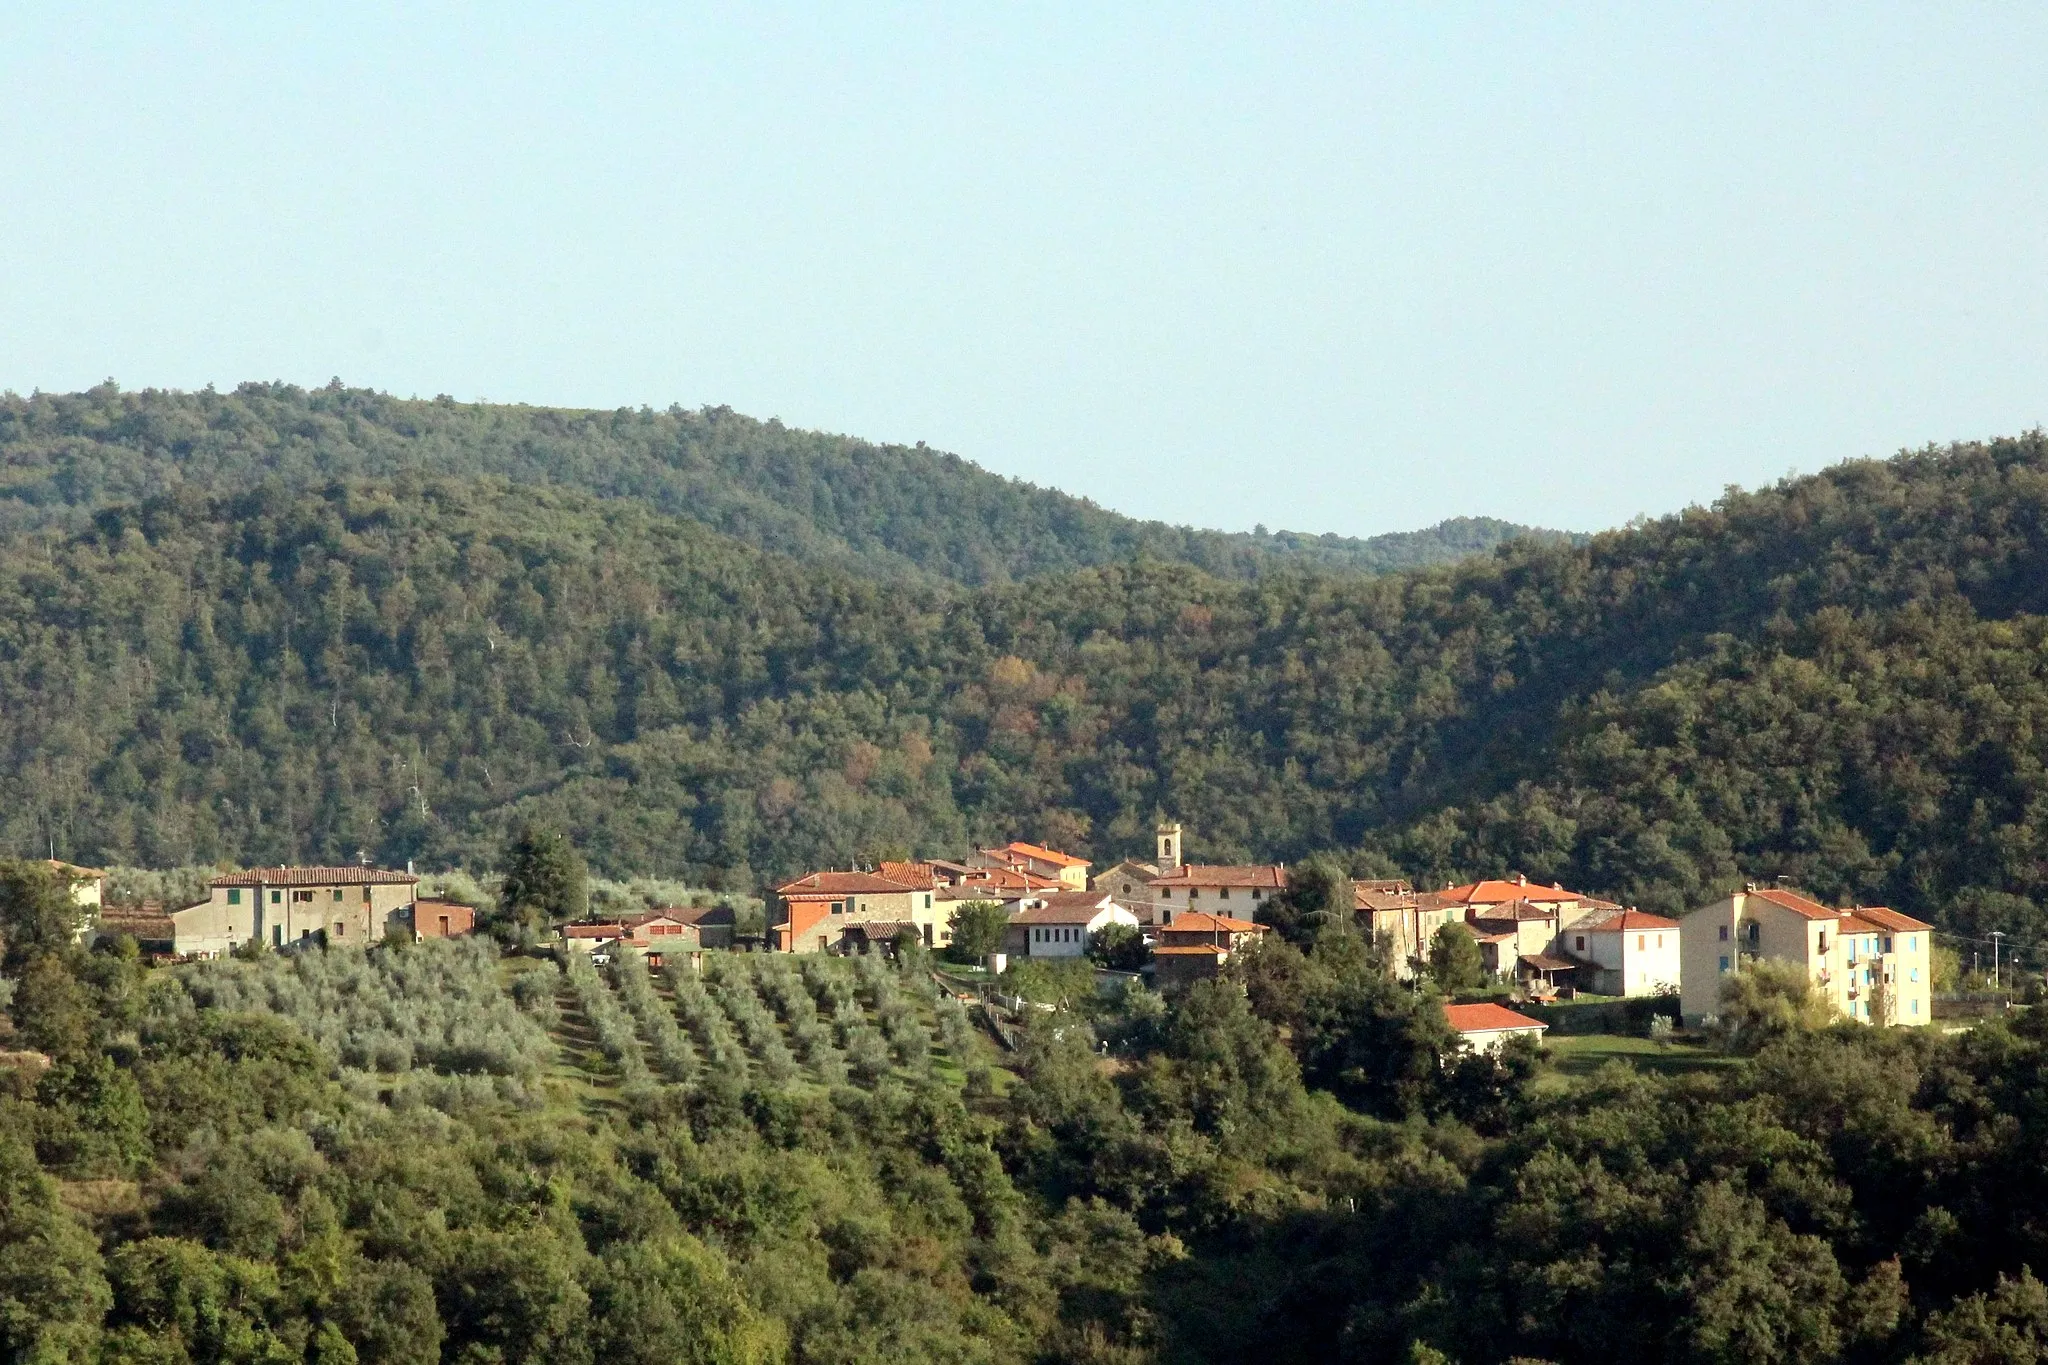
x=1584 y=1053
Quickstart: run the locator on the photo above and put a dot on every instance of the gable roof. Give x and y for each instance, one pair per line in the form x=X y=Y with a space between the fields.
x=1201 y=922
x=1512 y=911
x=1005 y=879
x=607 y=930
x=701 y=914
x=839 y=884
x=315 y=876
x=1065 y=907
x=1622 y=922
x=1499 y=891
x=1890 y=920
x=1488 y=1019
x=1210 y=950
x=1802 y=906
x=1271 y=877
x=916 y=876
x=1043 y=855
x=1382 y=895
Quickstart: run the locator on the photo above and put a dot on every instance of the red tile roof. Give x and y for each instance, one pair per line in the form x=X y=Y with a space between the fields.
x=1201 y=922
x=1488 y=1019
x=1890 y=920
x=1043 y=855
x=1192 y=950
x=1271 y=877
x=1069 y=907
x=916 y=876
x=1500 y=891
x=1622 y=922
x=1793 y=901
x=592 y=930
x=1512 y=911
x=315 y=876
x=1382 y=895
x=838 y=884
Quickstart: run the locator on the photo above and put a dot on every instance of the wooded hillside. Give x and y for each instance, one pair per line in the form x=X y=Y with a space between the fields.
x=888 y=510
x=1839 y=680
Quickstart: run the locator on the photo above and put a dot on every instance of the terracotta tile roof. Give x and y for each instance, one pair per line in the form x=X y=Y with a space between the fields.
x=1890 y=920
x=1793 y=901
x=138 y=923
x=1271 y=877
x=1043 y=855
x=592 y=930
x=646 y=918
x=1382 y=895
x=838 y=884
x=1071 y=907
x=1200 y=922
x=916 y=876
x=315 y=876
x=1191 y=950
x=1512 y=912
x=1544 y=962
x=1488 y=1018
x=701 y=914
x=1500 y=891
x=1009 y=879
x=1622 y=922
x=872 y=929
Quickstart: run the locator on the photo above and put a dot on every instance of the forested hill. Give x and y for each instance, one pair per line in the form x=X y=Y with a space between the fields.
x=896 y=511
x=1843 y=680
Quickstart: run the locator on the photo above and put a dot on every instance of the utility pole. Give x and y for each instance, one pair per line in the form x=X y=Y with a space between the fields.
x=1996 y=934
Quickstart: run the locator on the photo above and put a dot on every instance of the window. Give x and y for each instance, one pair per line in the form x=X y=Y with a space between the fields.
x=337 y=893
x=1724 y=933
x=1913 y=1008
x=340 y=929
x=1887 y=943
x=276 y=897
x=1255 y=893
x=1580 y=942
x=838 y=907
x=1913 y=975
x=276 y=933
x=1223 y=894
x=1192 y=893
x=1724 y=964
x=302 y=897
x=234 y=895
x=366 y=895
x=1642 y=942
x=1912 y=943
x=927 y=900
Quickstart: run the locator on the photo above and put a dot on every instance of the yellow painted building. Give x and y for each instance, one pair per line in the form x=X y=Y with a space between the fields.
x=1872 y=964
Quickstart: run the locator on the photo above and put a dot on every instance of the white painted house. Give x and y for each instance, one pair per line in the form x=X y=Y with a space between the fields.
x=1487 y=1028
x=1058 y=923
x=1631 y=953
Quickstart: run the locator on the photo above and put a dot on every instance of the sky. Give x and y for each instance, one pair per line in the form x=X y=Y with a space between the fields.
x=1324 y=268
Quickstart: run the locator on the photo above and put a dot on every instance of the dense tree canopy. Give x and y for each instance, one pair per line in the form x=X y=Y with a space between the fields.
x=894 y=511
x=1839 y=680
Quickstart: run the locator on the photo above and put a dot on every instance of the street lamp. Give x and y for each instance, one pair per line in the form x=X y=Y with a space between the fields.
x=1996 y=934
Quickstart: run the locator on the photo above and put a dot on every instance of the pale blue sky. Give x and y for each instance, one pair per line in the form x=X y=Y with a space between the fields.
x=1326 y=269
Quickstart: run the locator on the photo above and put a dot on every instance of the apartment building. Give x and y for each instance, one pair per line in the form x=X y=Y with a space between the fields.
x=1872 y=964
